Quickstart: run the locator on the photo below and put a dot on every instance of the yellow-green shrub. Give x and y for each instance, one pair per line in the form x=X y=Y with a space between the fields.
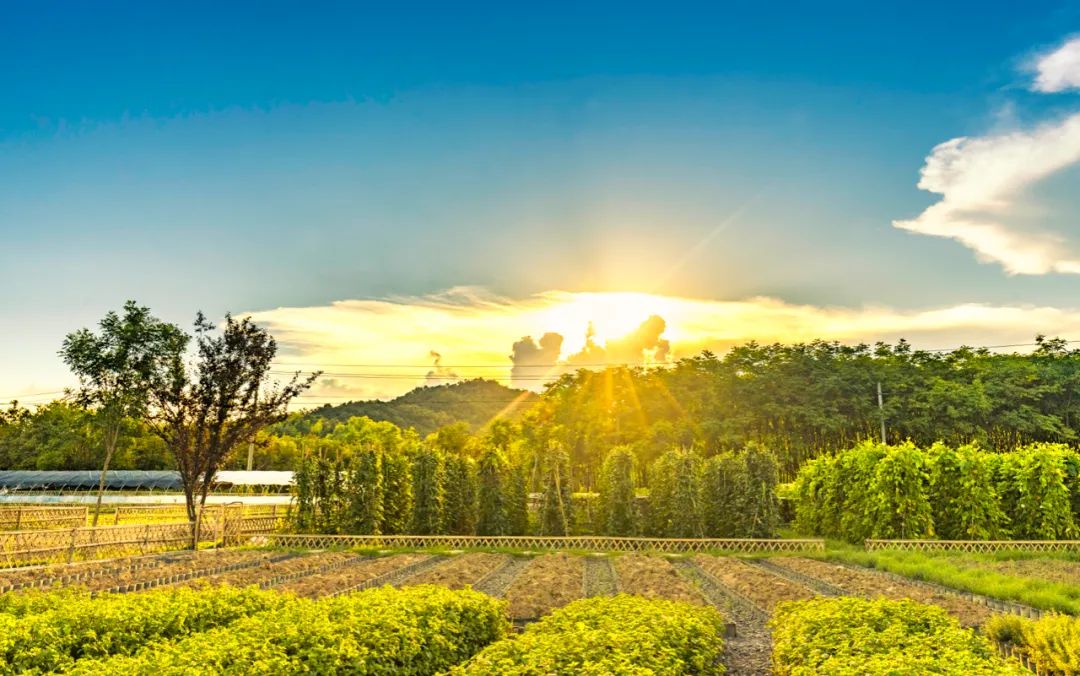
x=617 y=635
x=850 y=636
x=1052 y=643
x=419 y=630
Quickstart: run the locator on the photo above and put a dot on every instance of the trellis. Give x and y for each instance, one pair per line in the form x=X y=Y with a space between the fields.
x=31 y=517
x=66 y=545
x=974 y=546
x=590 y=543
x=174 y=513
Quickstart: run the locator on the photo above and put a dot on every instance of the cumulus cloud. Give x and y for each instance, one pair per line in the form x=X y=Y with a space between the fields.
x=989 y=185
x=984 y=183
x=471 y=329
x=1059 y=69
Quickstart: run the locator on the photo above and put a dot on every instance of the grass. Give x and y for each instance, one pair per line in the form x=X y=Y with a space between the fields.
x=957 y=571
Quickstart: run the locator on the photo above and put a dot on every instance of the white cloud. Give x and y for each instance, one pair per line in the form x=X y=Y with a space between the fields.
x=1058 y=70
x=390 y=340
x=985 y=184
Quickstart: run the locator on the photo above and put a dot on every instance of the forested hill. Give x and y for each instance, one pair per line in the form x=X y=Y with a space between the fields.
x=426 y=409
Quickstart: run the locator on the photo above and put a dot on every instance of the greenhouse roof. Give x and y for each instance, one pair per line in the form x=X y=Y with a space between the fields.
x=27 y=480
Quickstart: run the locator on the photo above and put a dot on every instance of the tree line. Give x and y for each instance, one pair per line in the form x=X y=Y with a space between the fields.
x=379 y=481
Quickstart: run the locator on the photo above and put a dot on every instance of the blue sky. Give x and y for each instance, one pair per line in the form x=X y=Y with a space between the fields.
x=263 y=156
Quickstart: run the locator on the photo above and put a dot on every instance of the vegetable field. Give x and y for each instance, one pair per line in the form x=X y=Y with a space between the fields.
x=245 y=611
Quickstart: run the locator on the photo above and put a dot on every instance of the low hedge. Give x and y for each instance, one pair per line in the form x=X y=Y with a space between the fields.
x=611 y=635
x=851 y=636
x=51 y=631
x=1051 y=643
x=419 y=630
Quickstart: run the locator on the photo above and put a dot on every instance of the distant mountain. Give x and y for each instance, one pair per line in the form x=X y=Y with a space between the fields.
x=426 y=409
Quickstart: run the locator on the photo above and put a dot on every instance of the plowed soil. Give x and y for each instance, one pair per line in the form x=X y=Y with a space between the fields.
x=764 y=589
x=655 y=578
x=550 y=581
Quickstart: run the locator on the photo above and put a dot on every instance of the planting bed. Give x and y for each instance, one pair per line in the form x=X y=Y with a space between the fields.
x=459 y=571
x=268 y=571
x=600 y=577
x=869 y=584
x=133 y=571
x=653 y=578
x=499 y=580
x=348 y=577
x=548 y=582
x=762 y=588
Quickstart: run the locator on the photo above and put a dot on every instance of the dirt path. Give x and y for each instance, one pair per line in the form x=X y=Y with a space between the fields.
x=749 y=652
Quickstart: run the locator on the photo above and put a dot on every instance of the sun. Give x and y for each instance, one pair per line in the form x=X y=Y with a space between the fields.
x=611 y=314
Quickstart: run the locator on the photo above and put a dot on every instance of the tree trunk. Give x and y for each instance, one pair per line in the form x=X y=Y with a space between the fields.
x=110 y=447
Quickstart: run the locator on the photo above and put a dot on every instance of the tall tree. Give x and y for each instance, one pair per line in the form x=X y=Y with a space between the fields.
x=618 y=492
x=460 y=513
x=206 y=410
x=557 y=515
x=429 y=491
x=118 y=368
x=397 y=491
x=492 y=514
x=366 y=492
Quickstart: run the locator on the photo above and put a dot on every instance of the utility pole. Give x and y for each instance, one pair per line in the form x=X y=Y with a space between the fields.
x=881 y=411
x=251 y=451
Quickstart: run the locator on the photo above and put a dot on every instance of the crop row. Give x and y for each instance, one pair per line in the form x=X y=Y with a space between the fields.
x=852 y=636
x=611 y=635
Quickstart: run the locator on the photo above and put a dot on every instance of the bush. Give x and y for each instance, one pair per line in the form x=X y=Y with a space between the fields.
x=419 y=630
x=1052 y=643
x=616 y=635
x=850 y=636
x=84 y=627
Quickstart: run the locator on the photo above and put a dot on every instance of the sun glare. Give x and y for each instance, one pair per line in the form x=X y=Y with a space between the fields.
x=612 y=314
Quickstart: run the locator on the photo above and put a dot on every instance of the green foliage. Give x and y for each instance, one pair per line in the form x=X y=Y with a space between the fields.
x=429 y=491
x=557 y=511
x=459 y=517
x=762 y=510
x=493 y=476
x=675 y=495
x=1052 y=642
x=397 y=492
x=856 y=637
x=304 y=489
x=517 y=499
x=420 y=630
x=616 y=635
x=874 y=491
x=962 y=495
x=900 y=507
x=968 y=572
x=725 y=486
x=1043 y=507
x=365 y=493
x=79 y=627
x=617 y=493
x=425 y=409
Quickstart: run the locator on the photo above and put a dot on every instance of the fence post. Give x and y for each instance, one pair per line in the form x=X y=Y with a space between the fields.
x=146 y=538
x=18 y=517
x=220 y=537
x=71 y=548
x=116 y=516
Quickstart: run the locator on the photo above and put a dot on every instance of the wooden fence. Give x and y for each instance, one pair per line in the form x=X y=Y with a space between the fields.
x=590 y=543
x=178 y=513
x=974 y=546
x=31 y=517
x=30 y=547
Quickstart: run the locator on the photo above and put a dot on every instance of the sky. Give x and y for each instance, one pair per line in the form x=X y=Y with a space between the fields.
x=387 y=185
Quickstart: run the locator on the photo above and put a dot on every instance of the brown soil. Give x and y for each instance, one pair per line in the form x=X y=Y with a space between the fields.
x=460 y=571
x=350 y=576
x=100 y=575
x=549 y=582
x=763 y=588
x=653 y=577
x=267 y=570
x=871 y=584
